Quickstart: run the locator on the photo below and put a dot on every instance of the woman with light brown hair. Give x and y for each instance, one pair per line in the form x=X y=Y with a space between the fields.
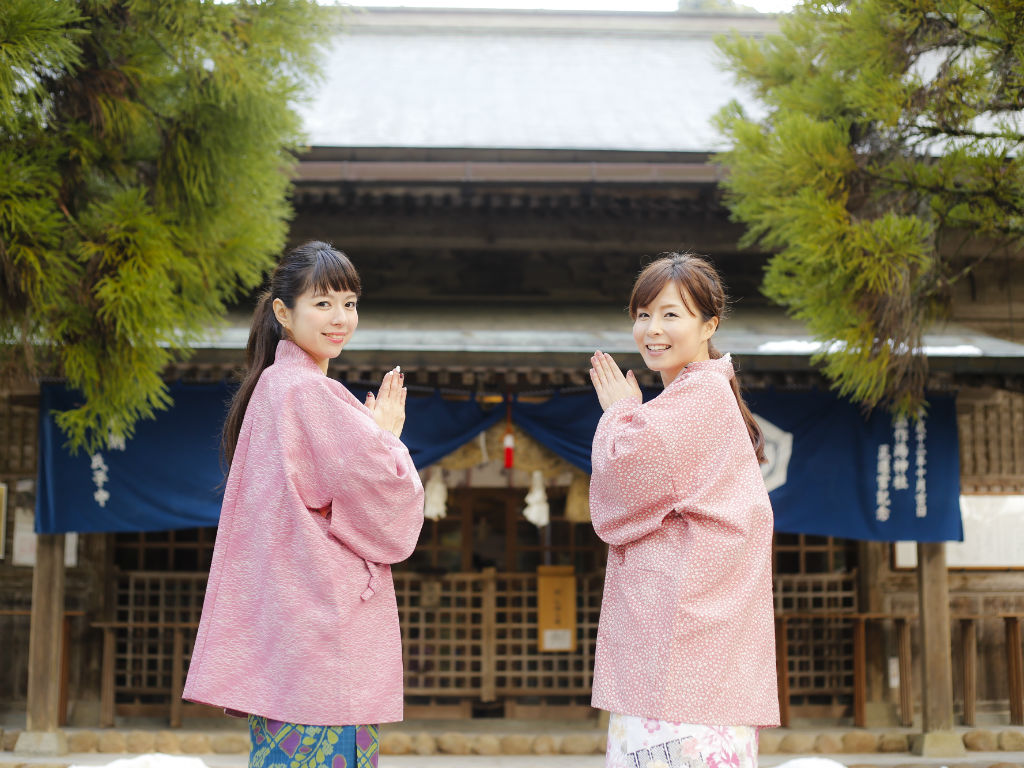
x=685 y=646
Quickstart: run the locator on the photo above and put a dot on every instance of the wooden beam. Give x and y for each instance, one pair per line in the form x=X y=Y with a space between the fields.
x=585 y=233
x=937 y=657
x=45 y=634
x=482 y=172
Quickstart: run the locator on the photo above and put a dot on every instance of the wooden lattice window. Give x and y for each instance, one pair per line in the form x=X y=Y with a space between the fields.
x=19 y=429
x=815 y=579
x=523 y=670
x=991 y=426
x=143 y=652
x=190 y=549
x=820 y=661
x=470 y=639
x=795 y=553
x=442 y=623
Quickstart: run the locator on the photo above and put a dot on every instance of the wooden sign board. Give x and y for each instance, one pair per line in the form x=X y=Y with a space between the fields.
x=556 y=608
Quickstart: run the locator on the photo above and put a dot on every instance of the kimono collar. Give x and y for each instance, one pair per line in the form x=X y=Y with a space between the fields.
x=721 y=365
x=290 y=352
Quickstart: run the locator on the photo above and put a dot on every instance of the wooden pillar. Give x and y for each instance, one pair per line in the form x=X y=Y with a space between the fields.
x=859 y=673
x=782 y=667
x=44 y=655
x=872 y=569
x=969 y=649
x=1015 y=669
x=906 y=675
x=45 y=633
x=489 y=659
x=937 y=654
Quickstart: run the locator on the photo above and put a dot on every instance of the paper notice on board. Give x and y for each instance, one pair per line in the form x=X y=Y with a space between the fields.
x=556 y=608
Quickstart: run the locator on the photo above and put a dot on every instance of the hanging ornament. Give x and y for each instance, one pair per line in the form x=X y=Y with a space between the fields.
x=435 y=496
x=510 y=441
x=537 y=510
x=510 y=450
x=482 y=438
x=577 y=502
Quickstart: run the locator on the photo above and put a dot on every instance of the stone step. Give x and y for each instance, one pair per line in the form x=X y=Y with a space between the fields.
x=400 y=740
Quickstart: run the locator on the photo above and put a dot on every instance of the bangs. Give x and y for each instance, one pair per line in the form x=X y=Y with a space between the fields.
x=652 y=281
x=331 y=270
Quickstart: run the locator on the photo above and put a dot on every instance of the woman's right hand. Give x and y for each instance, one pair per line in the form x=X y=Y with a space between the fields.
x=388 y=406
x=609 y=382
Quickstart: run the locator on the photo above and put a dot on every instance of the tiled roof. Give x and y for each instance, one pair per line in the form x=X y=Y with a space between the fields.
x=525 y=80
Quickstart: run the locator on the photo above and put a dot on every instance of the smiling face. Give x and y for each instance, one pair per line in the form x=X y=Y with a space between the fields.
x=321 y=322
x=669 y=334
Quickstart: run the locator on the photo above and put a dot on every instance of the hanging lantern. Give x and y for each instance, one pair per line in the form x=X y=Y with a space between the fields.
x=510 y=441
x=510 y=450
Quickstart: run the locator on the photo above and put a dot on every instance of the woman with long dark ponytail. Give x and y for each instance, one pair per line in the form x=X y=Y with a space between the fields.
x=685 y=645
x=299 y=630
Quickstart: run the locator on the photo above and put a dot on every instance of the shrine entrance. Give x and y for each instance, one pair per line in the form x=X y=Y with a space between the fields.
x=468 y=601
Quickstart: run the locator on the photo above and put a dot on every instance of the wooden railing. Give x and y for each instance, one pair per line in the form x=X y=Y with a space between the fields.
x=65 y=649
x=120 y=631
x=473 y=637
x=969 y=659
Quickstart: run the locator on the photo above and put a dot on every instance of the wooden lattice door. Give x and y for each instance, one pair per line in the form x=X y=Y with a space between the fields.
x=815 y=585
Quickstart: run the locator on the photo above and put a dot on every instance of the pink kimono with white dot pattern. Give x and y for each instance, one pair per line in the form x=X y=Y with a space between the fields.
x=687 y=625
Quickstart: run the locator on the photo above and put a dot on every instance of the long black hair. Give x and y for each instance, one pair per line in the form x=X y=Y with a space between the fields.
x=315 y=266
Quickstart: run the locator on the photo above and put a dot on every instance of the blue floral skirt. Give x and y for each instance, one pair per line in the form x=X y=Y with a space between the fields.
x=287 y=745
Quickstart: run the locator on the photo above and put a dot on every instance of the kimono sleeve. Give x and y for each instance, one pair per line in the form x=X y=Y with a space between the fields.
x=648 y=459
x=364 y=472
x=631 y=493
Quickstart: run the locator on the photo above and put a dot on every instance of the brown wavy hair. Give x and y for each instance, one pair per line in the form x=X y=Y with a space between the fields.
x=311 y=266
x=702 y=292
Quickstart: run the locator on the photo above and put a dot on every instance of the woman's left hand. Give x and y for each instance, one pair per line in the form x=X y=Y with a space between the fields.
x=609 y=382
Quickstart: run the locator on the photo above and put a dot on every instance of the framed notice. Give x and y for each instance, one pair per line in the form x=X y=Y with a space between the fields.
x=556 y=608
x=24 y=543
x=988 y=539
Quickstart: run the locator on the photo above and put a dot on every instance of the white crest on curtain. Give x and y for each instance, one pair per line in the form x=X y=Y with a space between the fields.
x=537 y=511
x=778 y=449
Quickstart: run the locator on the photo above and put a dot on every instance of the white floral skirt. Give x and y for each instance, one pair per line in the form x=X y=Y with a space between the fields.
x=639 y=742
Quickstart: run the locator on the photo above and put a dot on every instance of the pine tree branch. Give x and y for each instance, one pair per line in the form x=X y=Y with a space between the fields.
x=984 y=10
x=970 y=37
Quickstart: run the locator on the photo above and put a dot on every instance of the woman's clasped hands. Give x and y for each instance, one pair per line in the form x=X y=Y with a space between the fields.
x=388 y=405
x=609 y=382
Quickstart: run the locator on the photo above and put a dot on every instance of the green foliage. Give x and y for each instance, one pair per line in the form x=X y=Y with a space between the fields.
x=145 y=157
x=891 y=137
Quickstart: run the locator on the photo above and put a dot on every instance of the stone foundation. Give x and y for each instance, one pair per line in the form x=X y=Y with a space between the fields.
x=395 y=741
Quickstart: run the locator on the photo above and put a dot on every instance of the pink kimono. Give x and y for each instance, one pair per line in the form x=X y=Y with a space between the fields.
x=300 y=622
x=687 y=624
